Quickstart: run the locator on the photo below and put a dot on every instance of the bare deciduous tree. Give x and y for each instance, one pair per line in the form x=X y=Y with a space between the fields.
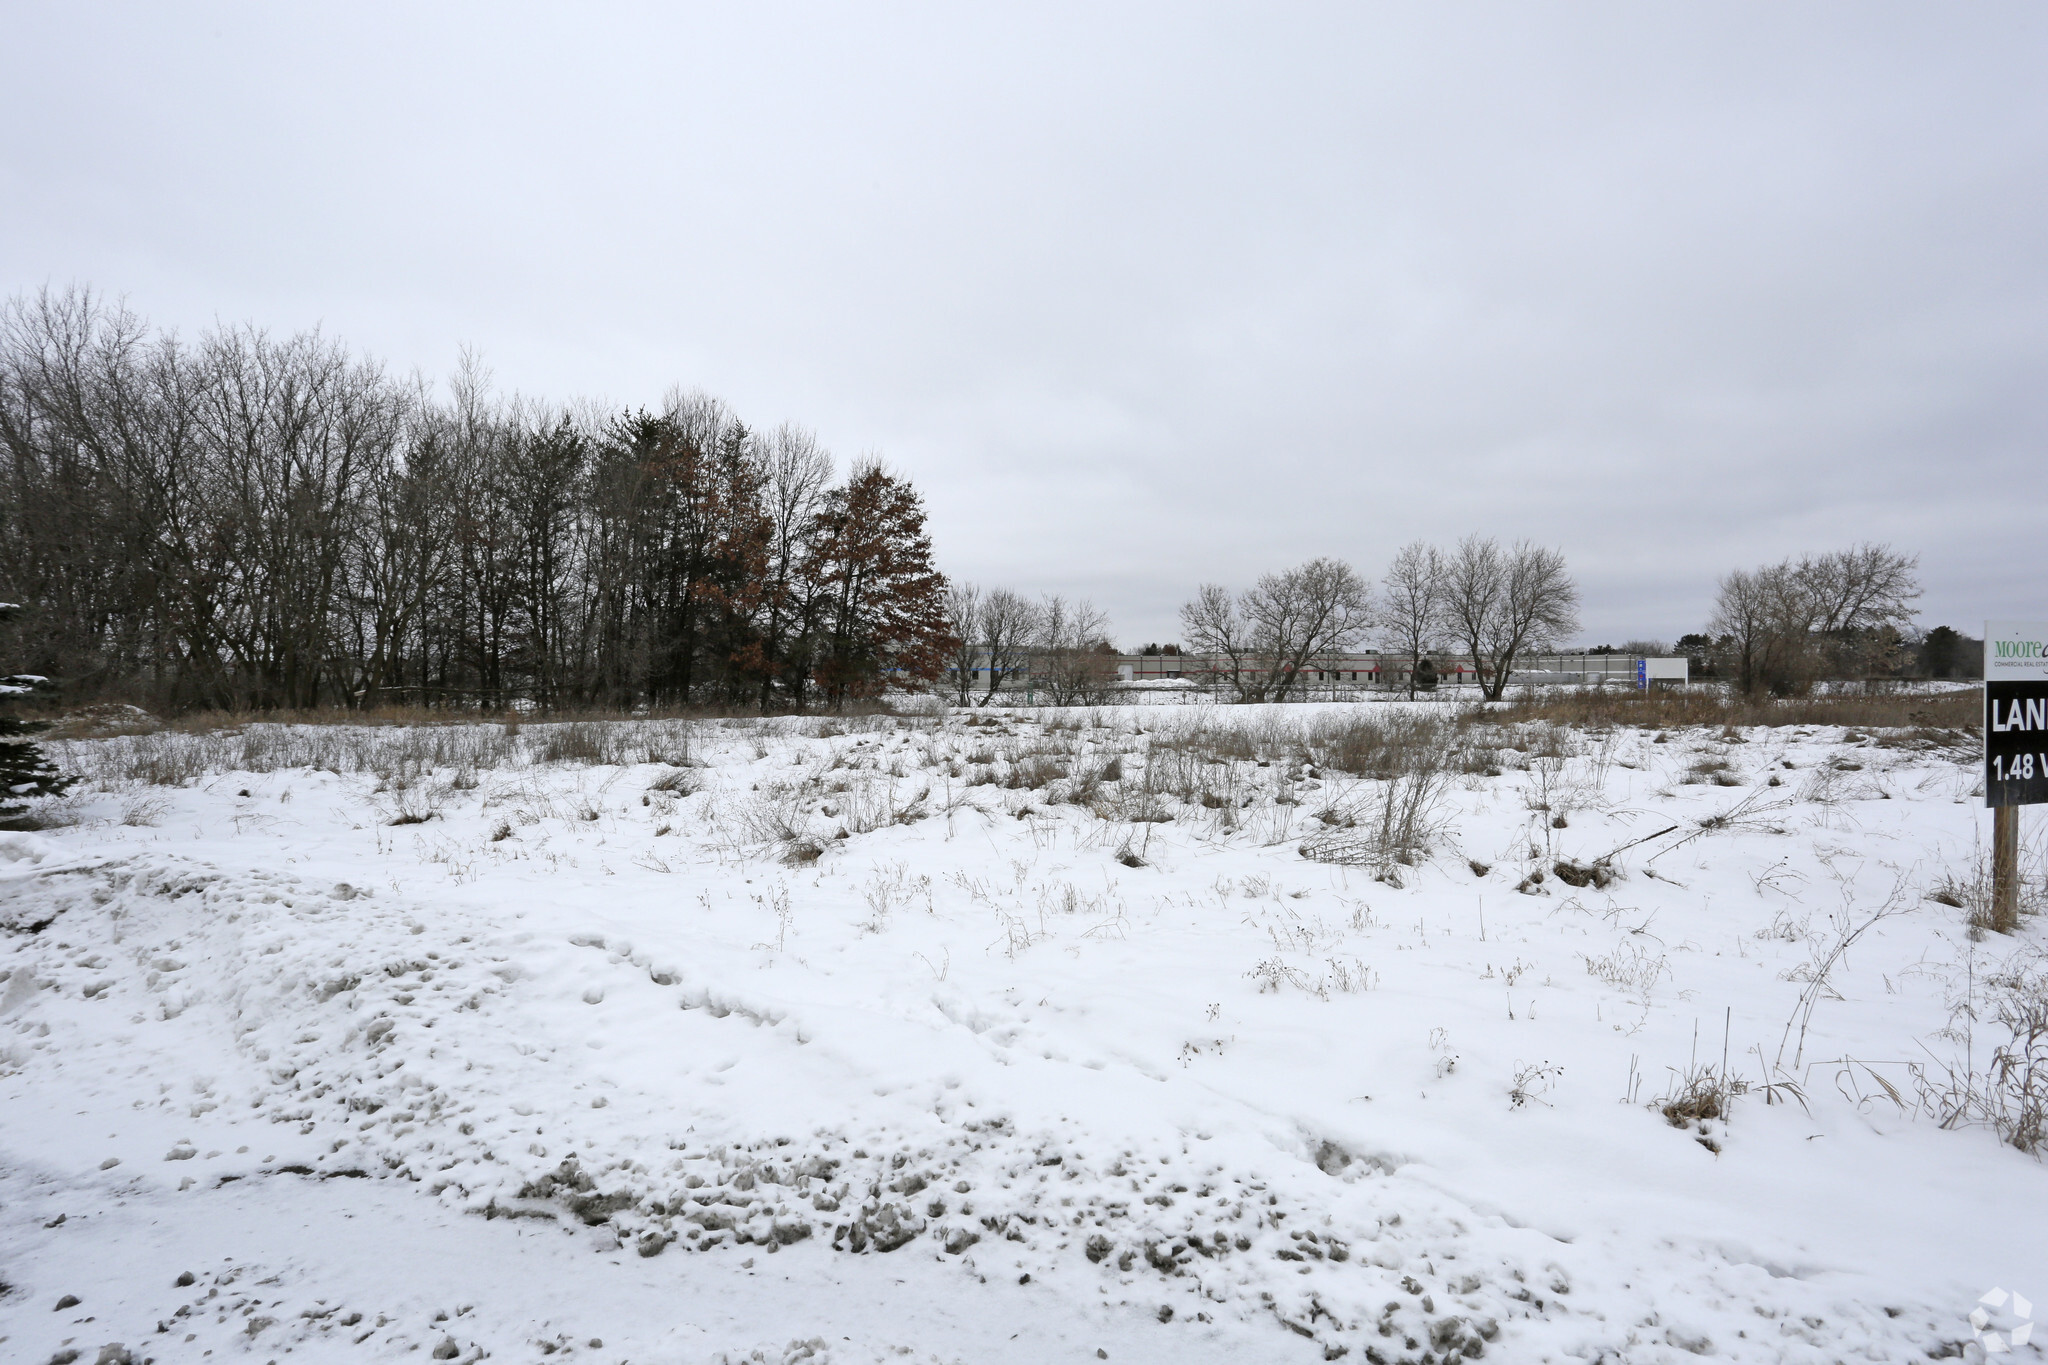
x=799 y=472
x=963 y=622
x=1319 y=608
x=1762 y=618
x=994 y=631
x=1864 y=588
x=1010 y=622
x=1073 y=655
x=1268 y=636
x=1214 y=624
x=1412 y=611
x=1504 y=602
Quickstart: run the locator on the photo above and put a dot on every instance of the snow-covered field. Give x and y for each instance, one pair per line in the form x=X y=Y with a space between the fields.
x=1035 y=1040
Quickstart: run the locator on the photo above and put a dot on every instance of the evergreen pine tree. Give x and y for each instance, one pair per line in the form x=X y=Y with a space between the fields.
x=24 y=769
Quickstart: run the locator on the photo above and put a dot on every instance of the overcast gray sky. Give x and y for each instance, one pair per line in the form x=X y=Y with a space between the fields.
x=1146 y=295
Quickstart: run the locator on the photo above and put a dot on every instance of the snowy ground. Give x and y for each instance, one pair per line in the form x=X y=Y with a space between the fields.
x=903 y=1039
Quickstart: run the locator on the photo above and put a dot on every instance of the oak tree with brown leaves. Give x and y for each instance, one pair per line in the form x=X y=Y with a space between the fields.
x=883 y=612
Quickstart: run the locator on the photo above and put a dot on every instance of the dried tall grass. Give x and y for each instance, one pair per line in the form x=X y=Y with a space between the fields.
x=1396 y=814
x=398 y=755
x=2010 y=1093
x=1951 y=716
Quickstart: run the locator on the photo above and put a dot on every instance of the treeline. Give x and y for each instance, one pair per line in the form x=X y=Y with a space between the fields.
x=262 y=522
x=1001 y=638
x=1479 y=600
x=1782 y=627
